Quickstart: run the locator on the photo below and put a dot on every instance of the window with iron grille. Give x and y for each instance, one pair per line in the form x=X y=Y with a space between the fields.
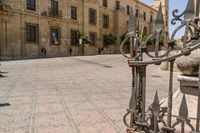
x=31 y=5
x=92 y=16
x=105 y=3
x=74 y=37
x=128 y=10
x=73 y=12
x=55 y=35
x=144 y=15
x=93 y=37
x=31 y=32
x=136 y=13
x=54 y=8
x=105 y=21
x=117 y=5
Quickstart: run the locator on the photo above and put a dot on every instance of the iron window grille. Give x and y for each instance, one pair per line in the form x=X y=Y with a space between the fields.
x=31 y=5
x=54 y=8
x=105 y=21
x=93 y=37
x=74 y=37
x=31 y=32
x=92 y=16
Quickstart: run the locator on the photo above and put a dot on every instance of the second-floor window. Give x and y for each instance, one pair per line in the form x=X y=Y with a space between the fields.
x=54 y=8
x=144 y=15
x=31 y=5
x=73 y=12
x=151 y=18
x=93 y=37
x=105 y=3
x=117 y=5
x=105 y=21
x=31 y=33
x=92 y=16
x=128 y=10
x=136 y=13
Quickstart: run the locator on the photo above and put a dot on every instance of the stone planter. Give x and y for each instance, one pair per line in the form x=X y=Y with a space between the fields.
x=189 y=65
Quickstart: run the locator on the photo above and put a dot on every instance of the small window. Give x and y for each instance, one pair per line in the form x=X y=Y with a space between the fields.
x=31 y=32
x=31 y=5
x=93 y=37
x=55 y=35
x=74 y=37
x=105 y=21
x=92 y=16
x=73 y=12
x=151 y=18
x=54 y=8
x=117 y=5
x=136 y=13
x=128 y=10
x=144 y=15
x=105 y=3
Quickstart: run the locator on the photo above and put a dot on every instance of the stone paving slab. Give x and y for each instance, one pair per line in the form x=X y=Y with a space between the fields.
x=71 y=95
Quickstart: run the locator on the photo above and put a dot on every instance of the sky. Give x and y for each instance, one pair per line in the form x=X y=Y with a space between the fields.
x=173 y=4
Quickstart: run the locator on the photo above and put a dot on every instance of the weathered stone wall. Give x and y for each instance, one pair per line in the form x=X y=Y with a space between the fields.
x=13 y=35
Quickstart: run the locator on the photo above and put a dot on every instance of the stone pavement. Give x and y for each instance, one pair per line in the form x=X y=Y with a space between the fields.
x=71 y=95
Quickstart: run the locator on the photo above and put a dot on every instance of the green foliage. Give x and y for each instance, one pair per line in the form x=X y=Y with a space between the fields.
x=125 y=36
x=109 y=39
x=84 y=38
x=153 y=40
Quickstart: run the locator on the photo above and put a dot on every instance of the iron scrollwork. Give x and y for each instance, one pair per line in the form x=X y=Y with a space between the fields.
x=150 y=121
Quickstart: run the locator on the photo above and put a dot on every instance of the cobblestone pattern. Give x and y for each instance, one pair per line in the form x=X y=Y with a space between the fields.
x=70 y=95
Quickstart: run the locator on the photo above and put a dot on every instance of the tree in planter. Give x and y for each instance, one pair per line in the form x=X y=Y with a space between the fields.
x=152 y=41
x=109 y=40
x=127 y=43
x=85 y=40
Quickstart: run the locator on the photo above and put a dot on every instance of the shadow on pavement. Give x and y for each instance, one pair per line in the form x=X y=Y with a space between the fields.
x=4 y=104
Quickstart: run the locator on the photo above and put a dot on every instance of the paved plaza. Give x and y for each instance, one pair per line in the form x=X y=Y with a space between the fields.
x=71 y=94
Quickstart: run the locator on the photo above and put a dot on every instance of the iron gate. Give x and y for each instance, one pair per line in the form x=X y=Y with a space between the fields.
x=160 y=118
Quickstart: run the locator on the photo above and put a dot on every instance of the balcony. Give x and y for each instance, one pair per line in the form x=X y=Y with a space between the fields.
x=55 y=14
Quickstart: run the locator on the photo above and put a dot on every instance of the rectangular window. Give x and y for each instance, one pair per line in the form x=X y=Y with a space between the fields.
x=144 y=14
x=92 y=16
x=105 y=3
x=151 y=18
x=31 y=32
x=54 y=8
x=93 y=37
x=55 y=35
x=128 y=10
x=117 y=5
x=136 y=13
x=73 y=12
x=31 y=5
x=74 y=37
x=105 y=21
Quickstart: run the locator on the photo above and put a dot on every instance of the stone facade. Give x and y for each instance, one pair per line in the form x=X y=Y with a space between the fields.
x=14 y=16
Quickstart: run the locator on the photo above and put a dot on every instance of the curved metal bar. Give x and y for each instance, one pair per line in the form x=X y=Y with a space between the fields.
x=184 y=52
x=176 y=30
x=124 y=118
x=121 y=48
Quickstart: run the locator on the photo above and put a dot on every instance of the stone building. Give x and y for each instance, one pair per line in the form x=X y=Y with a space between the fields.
x=34 y=28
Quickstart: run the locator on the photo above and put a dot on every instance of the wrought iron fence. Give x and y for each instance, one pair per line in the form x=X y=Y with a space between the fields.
x=160 y=118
